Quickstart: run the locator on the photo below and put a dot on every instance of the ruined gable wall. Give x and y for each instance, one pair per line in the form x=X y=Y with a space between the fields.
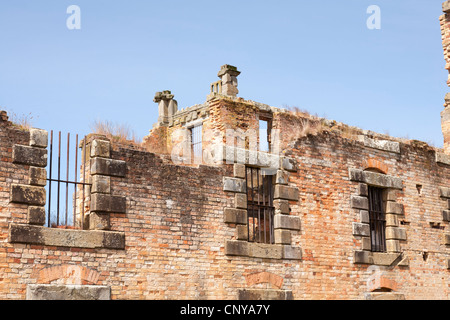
x=329 y=218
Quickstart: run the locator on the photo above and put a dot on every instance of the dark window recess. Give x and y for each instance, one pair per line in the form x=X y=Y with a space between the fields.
x=260 y=210
x=377 y=220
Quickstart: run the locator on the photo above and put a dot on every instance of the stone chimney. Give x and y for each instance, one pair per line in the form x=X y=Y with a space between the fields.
x=445 y=32
x=167 y=107
x=229 y=74
x=3 y=115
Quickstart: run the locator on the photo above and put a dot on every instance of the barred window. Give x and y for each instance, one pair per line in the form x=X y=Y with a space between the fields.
x=260 y=210
x=377 y=220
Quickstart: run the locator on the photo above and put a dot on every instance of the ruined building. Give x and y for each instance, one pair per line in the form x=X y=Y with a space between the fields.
x=229 y=199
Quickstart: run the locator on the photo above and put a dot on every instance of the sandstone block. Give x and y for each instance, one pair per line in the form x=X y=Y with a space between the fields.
x=107 y=203
x=393 y=245
x=442 y=158
x=282 y=236
x=282 y=221
x=241 y=232
x=446 y=215
x=366 y=244
x=390 y=146
x=29 y=155
x=38 y=138
x=385 y=258
x=394 y=208
x=446 y=239
x=234 y=185
x=264 y=294
x=286 y=192
x=390 y=194
x=100 y=148
x=384 y=296
x=268 y=251
x=391 y=220
x=362 y=257
x=363 y=190
x=36 y=215
x=240 y=201
x=395 y=233
x=358 y=202
x=108 y=167
x=25 y=233
x=236 y=248
x=99 y=221
x=375 y=179
x=282 y=177
x=31 y=195
x=239 y=170
x=236 y=216
x=444 y=192
x=361 y=229
x=67 y=292
x=38 y=176
x=281 y=206
x=101 y=184
x=364 y=216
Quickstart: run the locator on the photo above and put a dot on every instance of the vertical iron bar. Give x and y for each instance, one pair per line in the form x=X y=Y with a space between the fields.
x=248 y=204
x=67 y=179
x=259 y=206
x=84 y=181
x=75 y=186
x=50 y=181
x=263 y=203
x=253 y=212
x=59 y=178
x=270 y=207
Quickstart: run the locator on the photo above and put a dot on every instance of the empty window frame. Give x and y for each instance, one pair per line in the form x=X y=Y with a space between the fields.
x=196 y=143
x=377 y=220
x=265 y=128
x=260 y=210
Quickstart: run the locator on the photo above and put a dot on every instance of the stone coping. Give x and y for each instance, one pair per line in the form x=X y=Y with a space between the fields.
x=38 y=235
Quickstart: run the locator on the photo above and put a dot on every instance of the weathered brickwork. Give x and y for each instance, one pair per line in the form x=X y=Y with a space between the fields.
x=158 y=225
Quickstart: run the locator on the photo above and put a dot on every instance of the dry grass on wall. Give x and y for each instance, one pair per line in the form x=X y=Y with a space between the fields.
x=119 y=133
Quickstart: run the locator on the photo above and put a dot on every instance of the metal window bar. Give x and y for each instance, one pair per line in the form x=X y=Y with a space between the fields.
x=260 y=208
x=377 y=220
x=57 y=221
x=196 y=143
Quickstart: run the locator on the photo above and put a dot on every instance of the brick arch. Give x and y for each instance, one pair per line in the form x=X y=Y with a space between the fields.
x=67 y=274
x=376 y=165
x=382 y=284
x=264 y=277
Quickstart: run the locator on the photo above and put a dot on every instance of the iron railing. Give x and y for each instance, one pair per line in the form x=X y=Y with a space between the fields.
x=77 y=205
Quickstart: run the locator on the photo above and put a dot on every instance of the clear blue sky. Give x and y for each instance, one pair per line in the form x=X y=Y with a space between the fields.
x=316 y=55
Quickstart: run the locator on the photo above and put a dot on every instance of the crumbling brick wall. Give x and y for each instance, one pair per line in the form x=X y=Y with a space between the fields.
x=176 y=230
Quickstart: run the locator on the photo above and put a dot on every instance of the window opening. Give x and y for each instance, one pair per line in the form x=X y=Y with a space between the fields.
x=377 y=220
x=260 y=210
